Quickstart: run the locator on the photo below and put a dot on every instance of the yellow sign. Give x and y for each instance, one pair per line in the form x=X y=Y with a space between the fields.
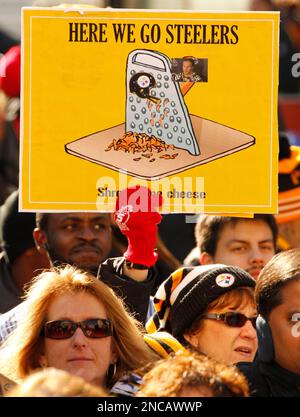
x=182 y=102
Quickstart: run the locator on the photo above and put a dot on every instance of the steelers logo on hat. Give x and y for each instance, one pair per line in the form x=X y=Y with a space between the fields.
x=225 y=280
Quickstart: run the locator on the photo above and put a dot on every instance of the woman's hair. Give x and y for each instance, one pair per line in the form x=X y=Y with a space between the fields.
x=236 y=299
x=21 y=352
x=52 y=382
x=191 y=370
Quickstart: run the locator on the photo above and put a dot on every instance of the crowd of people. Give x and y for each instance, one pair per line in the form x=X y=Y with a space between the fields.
x=226 y=326
x=133 y=304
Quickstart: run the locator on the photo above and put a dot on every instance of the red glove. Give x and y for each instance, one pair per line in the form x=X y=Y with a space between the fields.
x=10 y=68
x=137 y=219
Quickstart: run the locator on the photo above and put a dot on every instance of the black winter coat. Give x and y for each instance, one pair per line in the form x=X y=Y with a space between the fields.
x=136 y=295
x=270 y=380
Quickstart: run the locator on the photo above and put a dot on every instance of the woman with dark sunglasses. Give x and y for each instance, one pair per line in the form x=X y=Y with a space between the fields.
x=76 y=323
x=211 y=309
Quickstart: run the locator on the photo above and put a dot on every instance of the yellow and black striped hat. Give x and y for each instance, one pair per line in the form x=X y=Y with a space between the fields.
x=288 y=180
x=163 y=343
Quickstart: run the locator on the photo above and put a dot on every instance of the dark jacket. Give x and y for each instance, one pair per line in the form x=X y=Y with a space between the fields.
x=270 y=380
x=135 y=294
x=10 y=295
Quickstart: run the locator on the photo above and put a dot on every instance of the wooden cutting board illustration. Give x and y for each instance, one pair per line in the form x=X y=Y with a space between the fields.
x=215 y=141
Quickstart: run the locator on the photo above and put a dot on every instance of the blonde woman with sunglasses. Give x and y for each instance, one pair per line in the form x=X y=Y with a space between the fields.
x=76 y=323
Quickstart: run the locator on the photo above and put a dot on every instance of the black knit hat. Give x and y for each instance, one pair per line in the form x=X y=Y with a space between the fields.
x=185 y=295
x=16 y=228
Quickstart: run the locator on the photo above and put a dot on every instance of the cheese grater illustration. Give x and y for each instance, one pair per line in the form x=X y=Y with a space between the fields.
x=159 y=136
x=154 y=102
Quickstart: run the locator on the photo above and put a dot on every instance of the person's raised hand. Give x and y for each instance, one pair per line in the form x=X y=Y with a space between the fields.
x=137 y=217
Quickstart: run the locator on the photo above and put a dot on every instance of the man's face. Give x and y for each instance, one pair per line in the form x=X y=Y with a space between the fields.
x=187 y=67
x=81 y=239
x=247 y=244
x=284 y=321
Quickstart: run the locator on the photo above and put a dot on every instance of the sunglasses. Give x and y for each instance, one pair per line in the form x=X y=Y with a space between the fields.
x=231 y=319
x=64 y=329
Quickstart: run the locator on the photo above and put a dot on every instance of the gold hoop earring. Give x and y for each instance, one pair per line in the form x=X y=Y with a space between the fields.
x=111 y=371
x=114 y=370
